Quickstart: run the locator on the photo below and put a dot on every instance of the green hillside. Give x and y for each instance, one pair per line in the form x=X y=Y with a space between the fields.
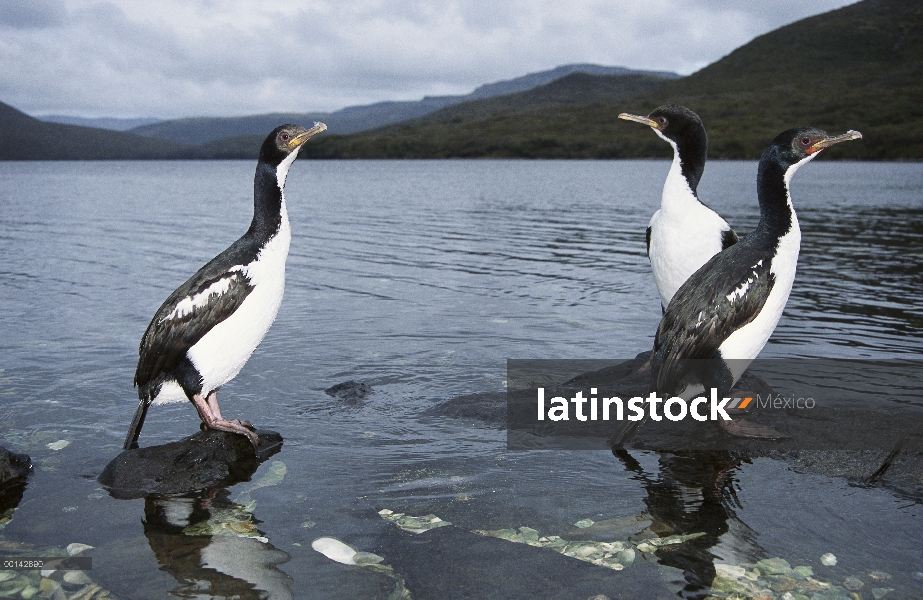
x=859 y=67
x=25 y=138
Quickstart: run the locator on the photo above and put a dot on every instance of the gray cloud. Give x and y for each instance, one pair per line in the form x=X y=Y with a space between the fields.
x=33 y=14
x=185 y=58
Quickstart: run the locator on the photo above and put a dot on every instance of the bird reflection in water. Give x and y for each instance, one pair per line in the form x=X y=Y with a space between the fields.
x=695 y=492
x=213 y=548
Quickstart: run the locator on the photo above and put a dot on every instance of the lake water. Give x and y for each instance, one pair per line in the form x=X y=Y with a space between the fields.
x=421 y=278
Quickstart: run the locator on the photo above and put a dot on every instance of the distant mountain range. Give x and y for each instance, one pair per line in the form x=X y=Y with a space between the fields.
x=112 y=123
x=354 y=119
x=859 y=67
x=25 y=138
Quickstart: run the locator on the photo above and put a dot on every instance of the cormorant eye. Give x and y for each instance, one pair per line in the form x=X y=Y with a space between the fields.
x=662 y=120
x=805 y=141
x=286 y=137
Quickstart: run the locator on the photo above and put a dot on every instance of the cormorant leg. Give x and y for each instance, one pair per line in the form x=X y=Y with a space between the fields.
x=213 y=422
x=213 y=405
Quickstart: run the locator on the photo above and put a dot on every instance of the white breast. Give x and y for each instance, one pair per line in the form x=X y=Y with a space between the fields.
x=685 y=234
x=747 y=342
x=222 y=352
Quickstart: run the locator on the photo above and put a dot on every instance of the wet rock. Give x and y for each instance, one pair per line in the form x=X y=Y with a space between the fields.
x=803 y=572
x=413 y=524
x=615 y=528
x=775 y=566
x=77 y=578
x=206 y=459
x=335 y=550
x=584 y=523
x=349 y=390
x=13 y=466
x=77 y=548
x=853 y=583
x=14 y=473
x=828 y=560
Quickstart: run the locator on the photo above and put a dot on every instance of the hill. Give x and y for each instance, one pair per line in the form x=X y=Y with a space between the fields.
x=576 y=88
x=353 y=119
x=858 y=67
x=25 y=138
x=521 y=124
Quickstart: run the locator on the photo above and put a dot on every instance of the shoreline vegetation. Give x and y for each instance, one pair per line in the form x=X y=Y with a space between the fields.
x=859 y=67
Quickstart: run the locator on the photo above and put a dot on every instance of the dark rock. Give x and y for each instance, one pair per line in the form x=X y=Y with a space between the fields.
x=13 y=466
x=14 y=471
x=206 y=459
x=349 y=390
x=629 y=375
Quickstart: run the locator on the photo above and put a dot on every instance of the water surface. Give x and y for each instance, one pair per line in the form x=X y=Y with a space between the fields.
x=421 y=278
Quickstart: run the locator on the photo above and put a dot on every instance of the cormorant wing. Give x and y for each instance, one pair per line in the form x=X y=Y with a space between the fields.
x=207 y=298
x=722 y=296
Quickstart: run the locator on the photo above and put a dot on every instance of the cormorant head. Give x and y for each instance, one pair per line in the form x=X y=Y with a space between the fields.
x=286 y=140
x=684 y=130
x=794 y=147
x=676 y=123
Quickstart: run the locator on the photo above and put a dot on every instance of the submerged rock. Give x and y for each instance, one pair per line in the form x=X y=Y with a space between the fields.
x=206 y=459
x=349 y=390
x=487 y=407
x=614 y=555
x=412 y=524
x=343 y=553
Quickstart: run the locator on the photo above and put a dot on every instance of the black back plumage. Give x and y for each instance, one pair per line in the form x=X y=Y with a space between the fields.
x=701 y=316
x=166 y=341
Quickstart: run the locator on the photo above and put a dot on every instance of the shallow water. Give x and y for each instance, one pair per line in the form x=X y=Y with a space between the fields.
x=421 y=278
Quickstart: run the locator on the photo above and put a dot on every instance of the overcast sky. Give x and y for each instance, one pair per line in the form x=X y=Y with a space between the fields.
x=175 y=58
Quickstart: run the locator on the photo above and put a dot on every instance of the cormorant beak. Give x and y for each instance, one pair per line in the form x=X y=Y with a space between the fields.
x=829 y=141
x=637 y=119
x=298 y=140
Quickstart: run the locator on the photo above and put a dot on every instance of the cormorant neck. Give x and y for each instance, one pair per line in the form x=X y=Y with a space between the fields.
x=268 y=201
x=690 y=152
x=777 y=215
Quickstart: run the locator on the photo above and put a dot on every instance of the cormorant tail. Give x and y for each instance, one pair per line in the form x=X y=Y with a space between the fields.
x=134 y=430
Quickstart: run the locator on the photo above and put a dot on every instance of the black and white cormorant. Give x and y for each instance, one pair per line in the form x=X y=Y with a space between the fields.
x=684 y=233
x=728 y=308
x=203 y=334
